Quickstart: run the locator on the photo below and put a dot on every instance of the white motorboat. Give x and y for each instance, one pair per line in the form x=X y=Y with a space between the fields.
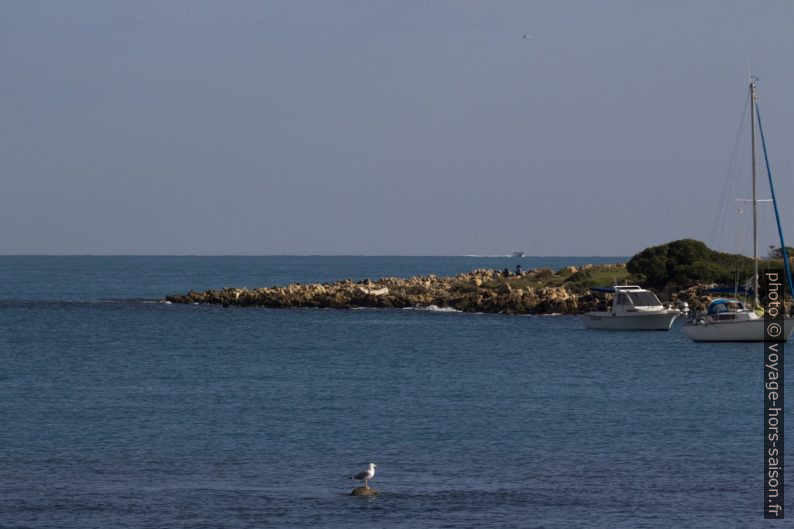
x=633 y=309
x=730 y=320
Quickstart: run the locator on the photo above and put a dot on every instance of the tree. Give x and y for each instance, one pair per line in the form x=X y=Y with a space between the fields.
x=683 y=263
x=777 y=253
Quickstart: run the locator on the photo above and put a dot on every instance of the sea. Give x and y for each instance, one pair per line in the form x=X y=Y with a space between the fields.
x=118 y=410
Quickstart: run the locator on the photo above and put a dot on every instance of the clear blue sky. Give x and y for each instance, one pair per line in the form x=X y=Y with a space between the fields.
x=381 y=127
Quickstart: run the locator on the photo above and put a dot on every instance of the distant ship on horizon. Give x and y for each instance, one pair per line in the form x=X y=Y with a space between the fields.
x=518 y=254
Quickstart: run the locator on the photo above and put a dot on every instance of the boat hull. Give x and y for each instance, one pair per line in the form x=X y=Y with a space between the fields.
x=734 y=331
x=648 y=321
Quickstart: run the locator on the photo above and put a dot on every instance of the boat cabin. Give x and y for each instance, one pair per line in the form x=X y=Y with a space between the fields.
x=631 y=298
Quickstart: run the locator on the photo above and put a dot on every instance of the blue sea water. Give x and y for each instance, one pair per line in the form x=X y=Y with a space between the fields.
x=117 y=410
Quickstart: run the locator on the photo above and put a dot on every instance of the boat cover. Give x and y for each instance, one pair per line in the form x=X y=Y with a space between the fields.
x=718 y=305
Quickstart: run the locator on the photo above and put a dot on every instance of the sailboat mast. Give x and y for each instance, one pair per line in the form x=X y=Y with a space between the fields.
x=755 y=199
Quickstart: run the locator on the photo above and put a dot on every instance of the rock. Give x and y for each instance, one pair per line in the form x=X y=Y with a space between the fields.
x=364 y=491
x=540 y=291
x=374 y=291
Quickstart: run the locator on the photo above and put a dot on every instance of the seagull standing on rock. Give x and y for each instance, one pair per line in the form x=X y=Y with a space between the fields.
x=366 y=475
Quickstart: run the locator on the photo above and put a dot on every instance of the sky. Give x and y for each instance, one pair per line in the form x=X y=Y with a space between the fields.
x=380 y=127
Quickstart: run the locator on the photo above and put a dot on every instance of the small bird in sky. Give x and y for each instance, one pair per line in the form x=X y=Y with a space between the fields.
x=366 y=475
x=528 y=36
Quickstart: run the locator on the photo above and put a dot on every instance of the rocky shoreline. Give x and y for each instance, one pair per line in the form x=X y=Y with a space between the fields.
x=537 y=291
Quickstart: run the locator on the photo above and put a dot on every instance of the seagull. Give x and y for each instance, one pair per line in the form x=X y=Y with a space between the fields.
x=366 y=475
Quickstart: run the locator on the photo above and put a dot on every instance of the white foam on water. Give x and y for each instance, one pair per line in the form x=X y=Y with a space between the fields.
x=433 y=308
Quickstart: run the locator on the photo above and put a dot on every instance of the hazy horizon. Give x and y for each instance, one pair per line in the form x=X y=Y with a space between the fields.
x=298 y=255
x=387 y=128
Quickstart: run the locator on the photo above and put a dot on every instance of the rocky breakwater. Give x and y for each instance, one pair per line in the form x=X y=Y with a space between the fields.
x=540 y=291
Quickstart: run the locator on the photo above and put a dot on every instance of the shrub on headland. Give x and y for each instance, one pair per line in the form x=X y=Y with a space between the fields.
x=683 y=263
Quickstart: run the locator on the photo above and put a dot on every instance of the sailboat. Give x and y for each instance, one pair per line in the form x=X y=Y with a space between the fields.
x=731 y=320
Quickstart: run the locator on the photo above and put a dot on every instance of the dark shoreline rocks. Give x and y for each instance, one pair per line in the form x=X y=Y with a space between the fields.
x=539 y=291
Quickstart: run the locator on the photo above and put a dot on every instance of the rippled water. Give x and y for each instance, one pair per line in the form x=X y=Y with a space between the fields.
x=122 y=412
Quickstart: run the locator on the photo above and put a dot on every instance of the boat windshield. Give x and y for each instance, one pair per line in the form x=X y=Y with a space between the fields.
x=644 y=299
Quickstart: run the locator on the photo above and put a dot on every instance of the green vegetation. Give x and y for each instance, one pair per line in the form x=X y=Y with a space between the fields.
x=777 y=253
x=666 y=268
x=581 y=279
x=599 y=276
x=682 y=264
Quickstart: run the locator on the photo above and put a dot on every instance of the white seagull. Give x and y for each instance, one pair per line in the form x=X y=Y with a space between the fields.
x=366 y=475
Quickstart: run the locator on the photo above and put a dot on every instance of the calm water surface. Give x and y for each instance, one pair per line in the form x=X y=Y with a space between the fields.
x=119 y=411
